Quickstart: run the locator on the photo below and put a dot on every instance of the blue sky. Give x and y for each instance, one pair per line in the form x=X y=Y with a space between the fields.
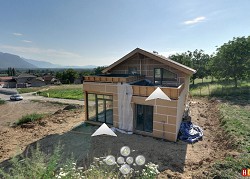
x=99 y=32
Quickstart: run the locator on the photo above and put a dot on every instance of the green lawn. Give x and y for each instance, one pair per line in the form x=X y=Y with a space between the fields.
x=217 y=88
x=61 y=91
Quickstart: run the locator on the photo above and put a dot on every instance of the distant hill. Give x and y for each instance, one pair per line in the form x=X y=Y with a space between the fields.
x=10 y=60
x=14 y=61
x=42 y=64
x=86 y=66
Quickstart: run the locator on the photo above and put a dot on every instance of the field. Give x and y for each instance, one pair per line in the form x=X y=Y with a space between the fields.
x=60 y=91
x=218 y=88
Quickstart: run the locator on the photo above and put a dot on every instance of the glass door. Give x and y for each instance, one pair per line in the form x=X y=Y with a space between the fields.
x=144 y=118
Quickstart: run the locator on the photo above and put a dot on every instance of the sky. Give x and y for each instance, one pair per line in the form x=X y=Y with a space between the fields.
x=99 y=32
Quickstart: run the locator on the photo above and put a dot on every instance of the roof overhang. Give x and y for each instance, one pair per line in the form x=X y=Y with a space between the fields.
x=153 y=56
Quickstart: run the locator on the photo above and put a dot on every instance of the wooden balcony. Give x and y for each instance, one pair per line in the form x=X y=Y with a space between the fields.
x=110 y=79
x=145 y=91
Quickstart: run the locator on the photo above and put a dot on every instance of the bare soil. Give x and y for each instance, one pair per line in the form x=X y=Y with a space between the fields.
x=14 y=110
x=175 y=159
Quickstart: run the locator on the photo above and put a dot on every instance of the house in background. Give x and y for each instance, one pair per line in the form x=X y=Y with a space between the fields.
x=37 y=82
x=8 y=82
x=118 y=96
x=47 y=79
x=23 y=80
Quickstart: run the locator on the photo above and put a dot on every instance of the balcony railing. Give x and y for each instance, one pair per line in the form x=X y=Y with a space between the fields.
x=173 y=93
x=109 y=79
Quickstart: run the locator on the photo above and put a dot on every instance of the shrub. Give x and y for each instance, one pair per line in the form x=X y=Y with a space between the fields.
x=2 y=101
x=38 y=165
x=30 y=118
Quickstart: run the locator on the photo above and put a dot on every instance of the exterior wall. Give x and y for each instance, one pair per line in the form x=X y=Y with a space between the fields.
x=145 y=67
x=37 y=83
x=164 y=117
x=103 y=88
x=9 y=85
x=182 y=101
x=24 y=79
x=167 y=114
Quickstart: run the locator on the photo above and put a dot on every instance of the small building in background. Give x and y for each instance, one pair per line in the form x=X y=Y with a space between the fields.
x=37 y=82
x=8 y=82
x=47 y=79
x=23 y=80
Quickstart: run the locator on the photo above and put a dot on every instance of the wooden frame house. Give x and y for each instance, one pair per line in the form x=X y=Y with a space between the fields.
x=117 y=97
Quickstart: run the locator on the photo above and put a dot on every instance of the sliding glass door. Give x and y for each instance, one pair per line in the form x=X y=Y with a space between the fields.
x=100 y=108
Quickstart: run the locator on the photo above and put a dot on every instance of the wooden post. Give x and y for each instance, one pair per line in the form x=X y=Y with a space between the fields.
x=85 y=106
x=208 y=89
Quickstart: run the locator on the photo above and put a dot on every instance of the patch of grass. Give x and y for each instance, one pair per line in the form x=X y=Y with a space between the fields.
x=217 y=88
x=38 y=165
x=235 y=120
x=30 y=118
x=2 y=102
x=30 y=89
x=63 y=93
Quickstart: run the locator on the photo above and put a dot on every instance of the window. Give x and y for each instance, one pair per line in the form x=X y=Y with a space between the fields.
x=144 y=118
x=100 y=108
x=162 y=75
x=132 y=70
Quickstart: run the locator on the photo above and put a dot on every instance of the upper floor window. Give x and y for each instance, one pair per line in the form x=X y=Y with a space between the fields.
x=162 y=75
x=132 y=70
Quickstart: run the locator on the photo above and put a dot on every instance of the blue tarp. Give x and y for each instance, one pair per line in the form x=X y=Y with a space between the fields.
x=190 y=132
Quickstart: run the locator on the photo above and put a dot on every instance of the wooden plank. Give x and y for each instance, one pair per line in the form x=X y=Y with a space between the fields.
x=108 y=79
x=150 y=90
x=143 y=91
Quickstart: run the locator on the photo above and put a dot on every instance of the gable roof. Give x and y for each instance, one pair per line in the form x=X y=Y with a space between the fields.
x=156 y=57
x=24 y=75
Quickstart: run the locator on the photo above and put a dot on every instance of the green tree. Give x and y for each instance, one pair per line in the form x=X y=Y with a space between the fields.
x=13 y=72
x=197 y=60
x=98 y=70
x=232 y=60
x=68 y=76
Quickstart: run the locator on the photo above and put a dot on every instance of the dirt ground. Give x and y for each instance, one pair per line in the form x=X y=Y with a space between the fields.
x=175 y=159
x=14 y=110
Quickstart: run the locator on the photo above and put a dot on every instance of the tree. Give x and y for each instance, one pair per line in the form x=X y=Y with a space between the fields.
x=232 y=60
x=197 y=60
x=98 y=70
x=200 y=62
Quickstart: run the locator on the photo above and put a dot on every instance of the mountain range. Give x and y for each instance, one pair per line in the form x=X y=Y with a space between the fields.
x=10 y=60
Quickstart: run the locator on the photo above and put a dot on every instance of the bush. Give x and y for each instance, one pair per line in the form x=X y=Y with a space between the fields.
x=38 y=165
x=2 y=101
x=30 y=118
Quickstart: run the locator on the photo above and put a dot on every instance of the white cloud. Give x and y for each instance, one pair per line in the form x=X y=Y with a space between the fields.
x=17 y=34
x=195 y=20
x=27 y=41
